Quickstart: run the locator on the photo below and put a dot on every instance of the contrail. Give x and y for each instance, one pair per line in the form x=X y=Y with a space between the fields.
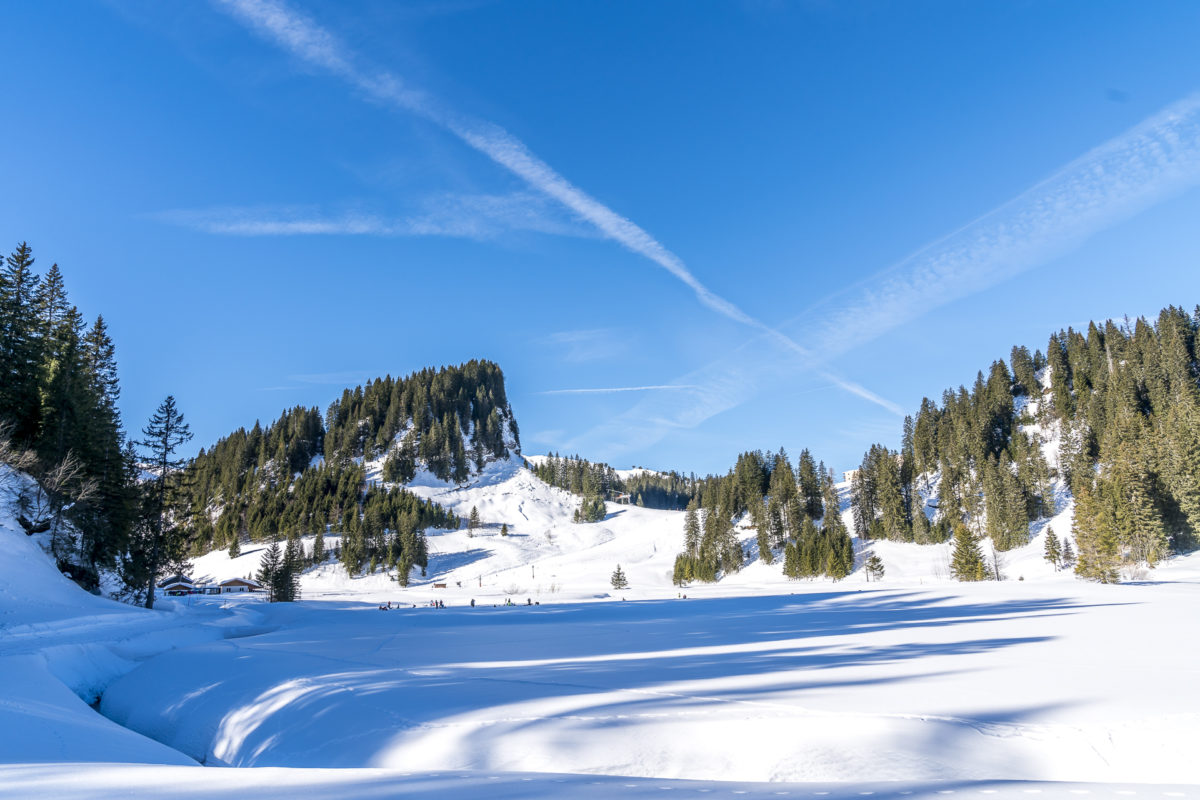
x=1157 y=159
x=477 y=216
x=317 y=46
x=615 y=389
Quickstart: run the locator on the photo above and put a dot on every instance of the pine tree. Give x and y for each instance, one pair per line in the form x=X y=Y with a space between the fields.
x=691 y=530
x=618 y=579
x=922 y=533
x=1094 y=531
x=165 y=434
x=874 y=567
x=810 y=489
x=269 y=567
x=473 y=521
x=764 y=536
x=967 y=563
x=1053 y=552
x=318 y=553
x=504 y=529
x=288 y=576
x=235 y=547
x=791 y=560
x=20 y=346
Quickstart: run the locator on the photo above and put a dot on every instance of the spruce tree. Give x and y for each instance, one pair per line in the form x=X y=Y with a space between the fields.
x=288 y=577
x=504 y=529
x=269 y=567
x=874 y=567
x=1068 y=554
x=473 y=521
x=1053 y=552
x=691 y=529
x=618 y=579
x=20 y=345
x=1094 y=531
x=165 y=434
x=967 y=562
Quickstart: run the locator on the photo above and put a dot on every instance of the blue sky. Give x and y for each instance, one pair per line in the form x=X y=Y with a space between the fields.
x=790 y=220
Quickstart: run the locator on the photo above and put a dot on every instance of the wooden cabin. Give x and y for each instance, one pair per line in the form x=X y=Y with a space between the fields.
x=233 y=585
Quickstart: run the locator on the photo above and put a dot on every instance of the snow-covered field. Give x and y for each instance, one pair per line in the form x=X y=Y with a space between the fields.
x=755 y=686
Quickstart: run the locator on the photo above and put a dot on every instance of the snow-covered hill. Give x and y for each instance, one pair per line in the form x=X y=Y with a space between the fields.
x=548 y=558
x=544 y=557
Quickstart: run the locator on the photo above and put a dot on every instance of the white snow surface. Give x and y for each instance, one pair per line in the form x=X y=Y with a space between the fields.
x=914 y=685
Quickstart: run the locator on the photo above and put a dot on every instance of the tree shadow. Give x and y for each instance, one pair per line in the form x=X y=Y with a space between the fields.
x=443 y=563
x=483 y=676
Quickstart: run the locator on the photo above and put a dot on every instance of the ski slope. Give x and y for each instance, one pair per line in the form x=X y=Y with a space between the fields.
x=755 y=686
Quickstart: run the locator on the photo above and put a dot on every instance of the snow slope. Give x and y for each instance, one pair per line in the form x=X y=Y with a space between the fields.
x=1014 y=680
x=754 y=686
x=544 y=558
x=548 y=558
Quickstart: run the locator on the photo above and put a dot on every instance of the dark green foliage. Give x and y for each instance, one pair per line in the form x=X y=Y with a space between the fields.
x=1095 y=531
x=666 y=490
x=23 y=339
x=161 y=542
x=591 y=509
x=269 y=567
x=1053 y=551
x=618 y=579
x=874 y=567
x=880 y=499
x=966 y=563
x=453 y=419
x=1126 y=402
x=776 y=500
x=504 y=529
x=58 y=393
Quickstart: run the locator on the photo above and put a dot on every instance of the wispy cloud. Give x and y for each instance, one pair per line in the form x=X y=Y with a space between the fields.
x=668 y=387
x=1113 y=182
x=1147 y=164
x=549 y=436
x=478 y=216
x=306 y=40
x=347 y=377
x=594 y=344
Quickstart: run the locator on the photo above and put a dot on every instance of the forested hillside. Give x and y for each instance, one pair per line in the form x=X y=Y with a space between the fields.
x=59 y=422
x=447 y=420
x=665 y=490
x=138 y=510
x=304 y=473
x=794 y=512
x=1110 y=416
